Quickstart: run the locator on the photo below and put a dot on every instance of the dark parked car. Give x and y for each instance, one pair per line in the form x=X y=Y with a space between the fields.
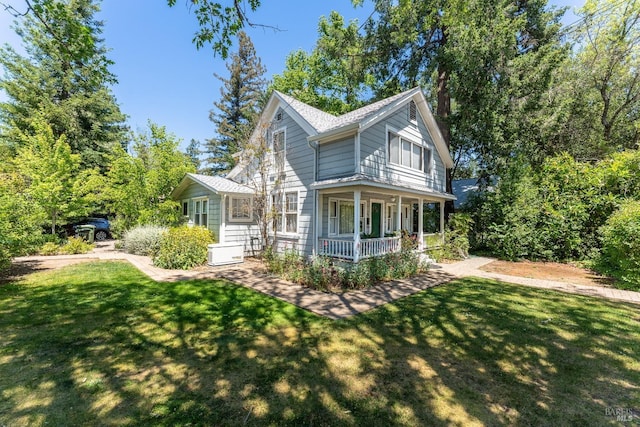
x=102 y=231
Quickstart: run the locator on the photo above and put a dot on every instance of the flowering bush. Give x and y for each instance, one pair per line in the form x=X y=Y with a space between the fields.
x=183 y=247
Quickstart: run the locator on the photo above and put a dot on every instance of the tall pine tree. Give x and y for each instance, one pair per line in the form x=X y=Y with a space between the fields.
x=64 y=78
x=235 y=114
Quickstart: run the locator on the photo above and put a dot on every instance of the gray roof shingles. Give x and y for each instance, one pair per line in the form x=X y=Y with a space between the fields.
x=220 y=184
x=323 y=122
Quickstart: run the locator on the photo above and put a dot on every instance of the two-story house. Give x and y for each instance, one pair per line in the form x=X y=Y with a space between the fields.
x=341 y=186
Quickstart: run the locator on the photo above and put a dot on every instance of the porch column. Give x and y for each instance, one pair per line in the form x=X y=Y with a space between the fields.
x=356 y=225
x=442 y=220
x=399 y=214
x=223 y=217
x=420 y=224
x=318 y=223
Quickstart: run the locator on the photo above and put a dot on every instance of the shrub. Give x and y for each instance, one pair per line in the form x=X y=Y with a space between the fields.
x=143 y=240
x=183 y=248
x=620 y=255
x=76 y=245
x=456 y=244
x=50 y=248
x=323 y=273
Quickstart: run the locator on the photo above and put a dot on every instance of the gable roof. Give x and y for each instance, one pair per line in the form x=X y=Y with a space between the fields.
x=217 y=184
x=320 y=125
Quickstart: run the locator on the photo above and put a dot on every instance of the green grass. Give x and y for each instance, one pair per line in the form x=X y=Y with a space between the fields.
x=101 y=344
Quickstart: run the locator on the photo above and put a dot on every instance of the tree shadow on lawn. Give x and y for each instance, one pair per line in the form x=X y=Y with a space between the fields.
x=122 y=349
x=505 y=354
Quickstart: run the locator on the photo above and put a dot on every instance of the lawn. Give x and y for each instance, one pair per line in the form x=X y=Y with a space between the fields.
x=101 y=344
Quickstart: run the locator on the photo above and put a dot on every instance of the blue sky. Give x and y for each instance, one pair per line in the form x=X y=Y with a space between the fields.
x=162 y=77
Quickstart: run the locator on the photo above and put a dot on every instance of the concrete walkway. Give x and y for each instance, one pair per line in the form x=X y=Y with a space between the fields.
x=337 y=305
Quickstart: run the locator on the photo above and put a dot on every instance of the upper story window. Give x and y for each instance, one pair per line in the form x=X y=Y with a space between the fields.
x=408 y=153
x=240 y=209
x=279 y=148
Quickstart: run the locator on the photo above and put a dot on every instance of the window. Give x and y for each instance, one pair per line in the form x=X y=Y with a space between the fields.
x=341 y=214
x=201 y=210
x=409 y=154
x=428 y=160
x=413 y=114
x=291 y=213
x=240 y=209
x=394 y=148
x=346 y=218
x=286 y=212
x=185 y=208
x=391 y=218
x=279 y=149
x=333 y=217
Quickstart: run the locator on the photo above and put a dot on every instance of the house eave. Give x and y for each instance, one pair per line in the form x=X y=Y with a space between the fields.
x=366 y=182
x=189 y=178
x=333 y=134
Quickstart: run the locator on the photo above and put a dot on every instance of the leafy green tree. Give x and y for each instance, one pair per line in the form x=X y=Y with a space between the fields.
x=139 y=184
x=485 y=63
x=610 y=58
x=64 y=77
x=335 y=76
x=236 y=112
x=220 y=22
x=51 y=173
x=193 y=151
x=21 y=218
x=621 y=246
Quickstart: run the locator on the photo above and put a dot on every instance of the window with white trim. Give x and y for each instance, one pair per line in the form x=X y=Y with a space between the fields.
x=408 y=153
x=185 y=208
x=279 y=148
x=291 y=213
x=391 y=217
x=341 y=214
x=285 y=208
x=240 y=209
x=200 y=212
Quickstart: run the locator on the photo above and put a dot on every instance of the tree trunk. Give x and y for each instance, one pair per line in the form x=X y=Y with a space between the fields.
x=443 y=111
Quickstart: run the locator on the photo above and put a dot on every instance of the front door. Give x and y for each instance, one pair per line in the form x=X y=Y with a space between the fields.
x=376 y=212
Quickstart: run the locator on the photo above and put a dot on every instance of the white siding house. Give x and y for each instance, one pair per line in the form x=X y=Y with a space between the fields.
x=343 y=186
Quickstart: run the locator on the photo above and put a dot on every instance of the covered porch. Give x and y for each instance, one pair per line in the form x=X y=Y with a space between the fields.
x=362 y=221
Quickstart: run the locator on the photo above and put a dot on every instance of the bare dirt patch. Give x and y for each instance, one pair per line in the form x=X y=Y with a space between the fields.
x=548 y=271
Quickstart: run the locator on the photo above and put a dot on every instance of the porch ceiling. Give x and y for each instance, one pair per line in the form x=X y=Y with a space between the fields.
x=366 y=183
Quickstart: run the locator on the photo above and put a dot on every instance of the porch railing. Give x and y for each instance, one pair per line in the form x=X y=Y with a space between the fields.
x=344 y=248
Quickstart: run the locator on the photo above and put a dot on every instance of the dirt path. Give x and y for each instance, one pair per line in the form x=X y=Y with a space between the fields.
x=548 y=271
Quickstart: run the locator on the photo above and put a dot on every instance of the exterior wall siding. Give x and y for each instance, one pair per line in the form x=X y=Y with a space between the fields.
x=194 y=191
x=298 y=176
x=373 y=149
x=241 y=232
x=336 y=159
